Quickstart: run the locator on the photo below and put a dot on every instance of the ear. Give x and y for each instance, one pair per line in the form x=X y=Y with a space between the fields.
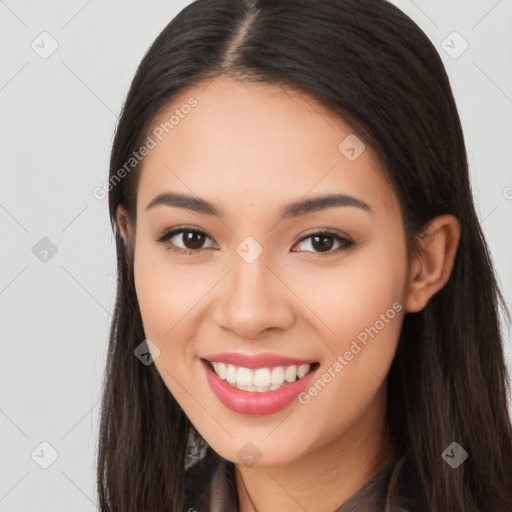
x=125 y=226
x=432 y=266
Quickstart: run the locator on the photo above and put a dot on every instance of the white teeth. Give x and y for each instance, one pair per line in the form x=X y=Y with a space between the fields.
x=302 y=370
x=231 y=374
x=261 y=379
x=290 y=373
x=244 y=377
x=221 y=370
x=277 y=376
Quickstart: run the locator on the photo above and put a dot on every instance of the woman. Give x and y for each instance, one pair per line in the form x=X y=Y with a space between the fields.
x=307 y=314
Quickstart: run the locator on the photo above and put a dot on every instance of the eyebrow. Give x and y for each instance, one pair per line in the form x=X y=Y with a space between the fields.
x=290 y=210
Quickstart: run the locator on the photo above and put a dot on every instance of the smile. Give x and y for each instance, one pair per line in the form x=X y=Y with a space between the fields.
x=261 y=379
x=257 y=391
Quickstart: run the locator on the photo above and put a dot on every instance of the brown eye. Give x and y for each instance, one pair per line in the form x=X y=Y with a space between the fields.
x=187 y=240
x=193 y=239
x=323 y=242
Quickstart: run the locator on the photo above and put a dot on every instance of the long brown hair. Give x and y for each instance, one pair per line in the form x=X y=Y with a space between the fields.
x=374 y=67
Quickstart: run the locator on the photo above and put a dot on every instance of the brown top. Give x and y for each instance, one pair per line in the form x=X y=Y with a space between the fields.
x=211 y=488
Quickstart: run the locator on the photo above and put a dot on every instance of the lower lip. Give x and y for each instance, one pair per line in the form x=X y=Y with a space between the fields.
x=253 y=402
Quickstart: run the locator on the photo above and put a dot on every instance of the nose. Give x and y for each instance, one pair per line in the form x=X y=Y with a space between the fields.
x=253 y=300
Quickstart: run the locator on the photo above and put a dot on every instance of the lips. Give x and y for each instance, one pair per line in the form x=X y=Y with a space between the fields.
x=258 y=402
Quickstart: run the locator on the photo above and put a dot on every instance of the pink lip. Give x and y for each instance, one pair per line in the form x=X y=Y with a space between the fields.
x=253 y=402
x=264 y=360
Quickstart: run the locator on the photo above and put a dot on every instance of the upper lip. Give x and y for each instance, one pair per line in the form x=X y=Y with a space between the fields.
x=262 y=360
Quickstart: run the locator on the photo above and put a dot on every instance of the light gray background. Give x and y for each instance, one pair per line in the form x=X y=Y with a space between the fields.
x=58 y=117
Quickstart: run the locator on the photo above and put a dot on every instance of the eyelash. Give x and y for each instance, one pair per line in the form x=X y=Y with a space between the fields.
x=345 y=243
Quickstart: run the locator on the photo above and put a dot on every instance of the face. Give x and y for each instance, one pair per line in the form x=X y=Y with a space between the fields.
x=302 y=304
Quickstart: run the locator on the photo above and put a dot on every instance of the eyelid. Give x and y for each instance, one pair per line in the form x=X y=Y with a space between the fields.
x=325 y=231
x=170 y=233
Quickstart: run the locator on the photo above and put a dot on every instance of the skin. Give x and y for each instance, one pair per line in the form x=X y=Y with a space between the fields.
x=250 y=149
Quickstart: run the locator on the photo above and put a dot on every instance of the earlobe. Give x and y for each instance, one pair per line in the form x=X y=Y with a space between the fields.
x=432 y=266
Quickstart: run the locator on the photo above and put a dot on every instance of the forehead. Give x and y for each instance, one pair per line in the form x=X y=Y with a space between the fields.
x=259 y=141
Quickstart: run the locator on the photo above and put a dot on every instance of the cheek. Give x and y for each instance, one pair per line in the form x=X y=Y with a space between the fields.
x=170 y=298
x=364 y=290
x=165 y=292
x=363 y=305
